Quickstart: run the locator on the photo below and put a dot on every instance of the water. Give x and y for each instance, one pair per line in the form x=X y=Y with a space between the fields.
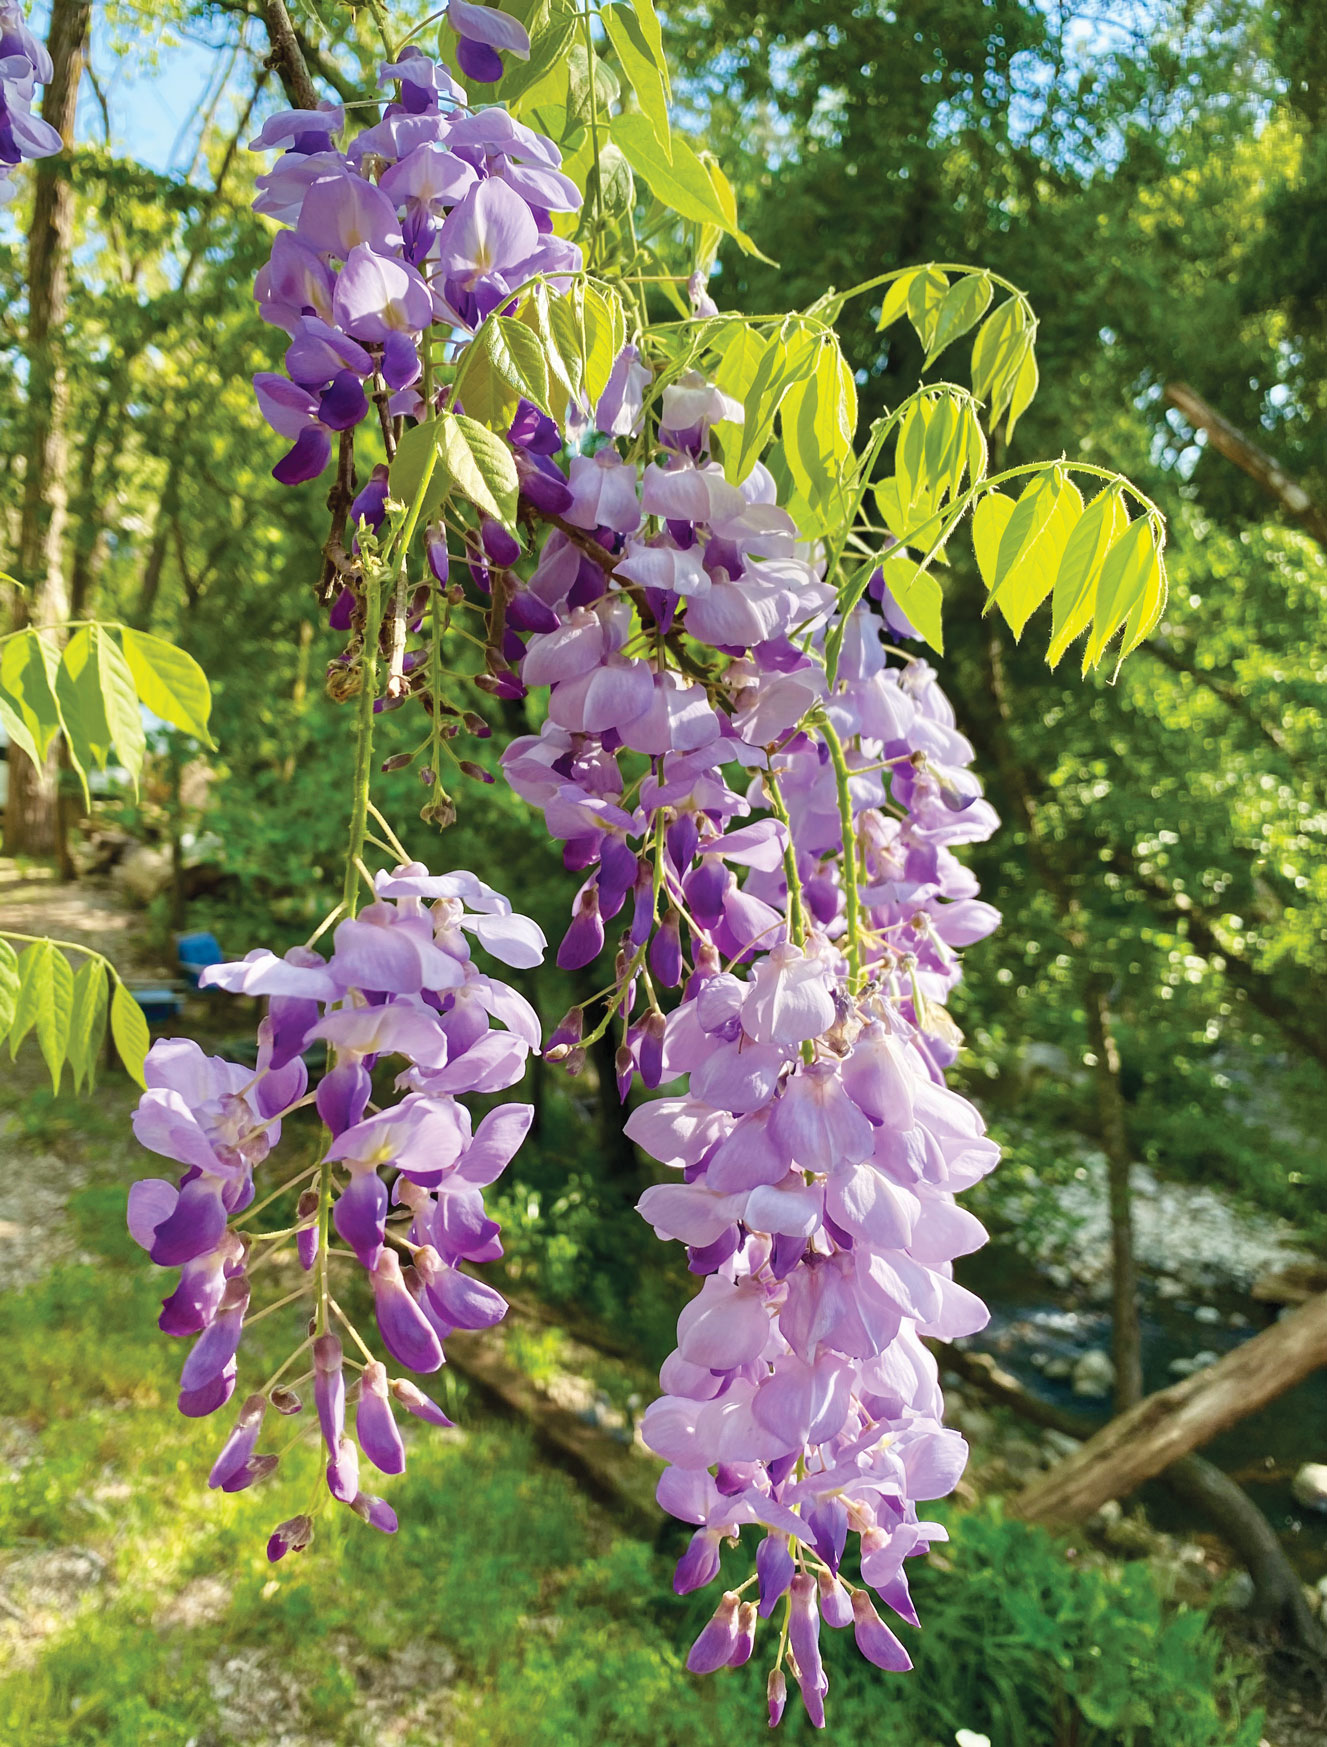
x=1031 y=1317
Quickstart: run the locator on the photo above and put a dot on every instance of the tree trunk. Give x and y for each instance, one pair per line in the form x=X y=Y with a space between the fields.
x=1165 y=1426
x=32 y=815
x=1126 y=1332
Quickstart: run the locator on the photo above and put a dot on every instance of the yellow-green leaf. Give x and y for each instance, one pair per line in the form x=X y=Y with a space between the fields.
x=895 y=301
x=129 y=1027
x=169 y=682
x=961 y=308
x=1126 y=581
x=1023 y=585
x=989 y=521
x=925 y=295
x=1080 y=569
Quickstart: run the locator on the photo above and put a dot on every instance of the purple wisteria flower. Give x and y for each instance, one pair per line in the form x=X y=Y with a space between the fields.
x=24 y=64
x=399 y=987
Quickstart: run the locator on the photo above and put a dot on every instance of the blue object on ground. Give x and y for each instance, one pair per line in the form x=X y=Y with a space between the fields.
x=159 y=1004
x=195 y=953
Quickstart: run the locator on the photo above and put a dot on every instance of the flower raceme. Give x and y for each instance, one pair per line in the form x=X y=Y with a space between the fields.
x=775 y=851
x=400 y=985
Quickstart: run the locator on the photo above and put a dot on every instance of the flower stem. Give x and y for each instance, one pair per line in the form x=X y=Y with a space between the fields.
x=854 y=908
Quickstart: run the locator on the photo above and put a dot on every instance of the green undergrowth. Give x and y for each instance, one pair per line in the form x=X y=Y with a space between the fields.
x=529 y=1620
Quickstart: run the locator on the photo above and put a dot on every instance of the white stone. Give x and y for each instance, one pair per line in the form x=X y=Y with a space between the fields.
x=1094 y=1374
x=1310 y=1486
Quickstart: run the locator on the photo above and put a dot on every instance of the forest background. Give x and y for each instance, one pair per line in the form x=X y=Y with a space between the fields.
x=1154 y=177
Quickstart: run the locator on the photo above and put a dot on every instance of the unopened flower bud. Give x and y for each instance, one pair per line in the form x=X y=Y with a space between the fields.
x=292 y=1536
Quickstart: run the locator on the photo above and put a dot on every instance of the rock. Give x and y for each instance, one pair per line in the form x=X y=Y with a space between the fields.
x=1061 y=1442
x=1207 y=1313
x=1094 y=1374
x=1309 y=1487
x=1239 y=1591
x=142 y=873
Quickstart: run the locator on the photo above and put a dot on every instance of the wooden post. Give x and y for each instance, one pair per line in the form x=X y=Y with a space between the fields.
x=1167 y=1425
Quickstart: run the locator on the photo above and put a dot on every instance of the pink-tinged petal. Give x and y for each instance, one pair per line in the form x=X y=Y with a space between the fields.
x=747 y=1158
x=724 y=1326
x=487 y=24
x=816 y=1124
x=758 y=845
x=513 y=940
x=739 y=1078
x=151 y=1202
x=863 y=1201
x=878 y=1079
x=492 y=229
x=791 y=1208
x=874 y=1638
x=689 y=1212
x=495 y=1143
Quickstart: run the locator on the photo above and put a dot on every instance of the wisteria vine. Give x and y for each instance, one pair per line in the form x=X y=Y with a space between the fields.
x=772 y=847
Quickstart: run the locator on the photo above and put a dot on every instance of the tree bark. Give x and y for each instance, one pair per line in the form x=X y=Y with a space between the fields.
x=1125 y=1329
x=1126 y=1332
x=1278 y=1596
x=32 y=816
x=1165 y=1426
x=1257 y=463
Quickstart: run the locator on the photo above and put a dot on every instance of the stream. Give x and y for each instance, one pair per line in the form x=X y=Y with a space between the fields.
x=1198 y=1256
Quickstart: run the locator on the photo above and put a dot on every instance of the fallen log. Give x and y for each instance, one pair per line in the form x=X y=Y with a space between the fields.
x=1171 y=1423
x=1278 y=1595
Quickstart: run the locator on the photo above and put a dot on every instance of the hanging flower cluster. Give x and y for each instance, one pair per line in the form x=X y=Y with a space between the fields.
x=805 y=836
x=428 y=217
x=761 y=796
x=24 y=64
x=400 y=985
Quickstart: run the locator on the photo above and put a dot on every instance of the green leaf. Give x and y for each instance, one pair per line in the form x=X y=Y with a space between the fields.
x=1127 y=582
x=169 y=682
x=647 y=76
x=682 y=183
x=919 y=596
x=479 y=465
x=818 y=418
x=584 y=100
x=1080 y=569
x=549 y=47
x=895 y=300
x=1032 y=546
x=98 y=702
x=1024 y=387
x=1150 y=606
x=647 y=20
x=989 y=521
x=998 y=346
x=28 y=706
x=87 y=1024
x=129 y=1029
x=789 y=356
x=502 y=364
x=45 y=998
x=417 y=444
x=962 y=307
x=9 y=986
x=564 y=369
x=925 y=295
